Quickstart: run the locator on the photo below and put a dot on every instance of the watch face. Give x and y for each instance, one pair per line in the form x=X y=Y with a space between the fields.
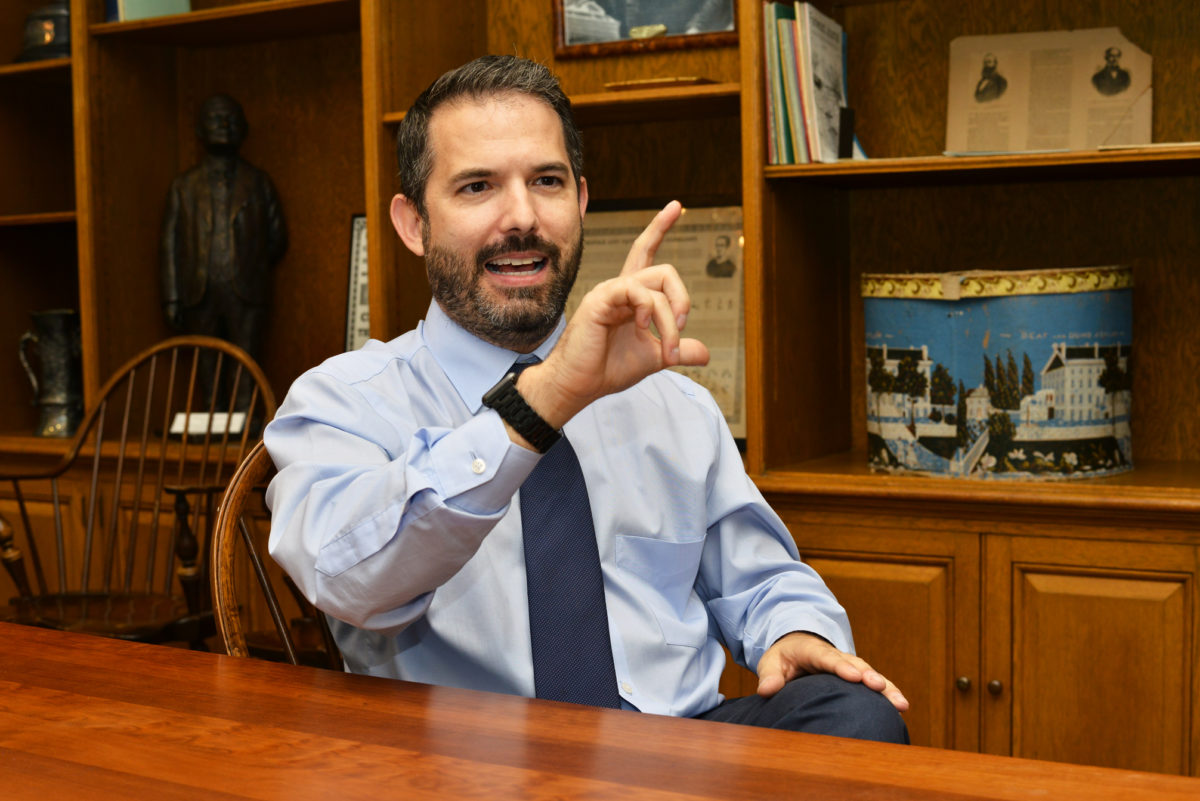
x=503 y=387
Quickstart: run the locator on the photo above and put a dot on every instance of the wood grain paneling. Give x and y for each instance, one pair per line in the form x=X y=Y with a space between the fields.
x=35 y=133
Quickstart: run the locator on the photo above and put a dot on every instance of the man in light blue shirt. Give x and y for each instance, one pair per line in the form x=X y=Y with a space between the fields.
x=395 y=505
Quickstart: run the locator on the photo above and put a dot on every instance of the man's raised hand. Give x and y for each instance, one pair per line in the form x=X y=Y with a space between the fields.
x=609 y=344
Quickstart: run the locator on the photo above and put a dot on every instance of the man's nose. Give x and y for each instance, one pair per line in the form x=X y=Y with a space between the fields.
x=520 y=210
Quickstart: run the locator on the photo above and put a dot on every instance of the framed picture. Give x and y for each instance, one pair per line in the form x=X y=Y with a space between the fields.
x=602 y=27
x=358 y=312
x=705 y=246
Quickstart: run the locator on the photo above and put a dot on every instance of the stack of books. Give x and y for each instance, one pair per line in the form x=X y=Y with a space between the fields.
x=806 y=83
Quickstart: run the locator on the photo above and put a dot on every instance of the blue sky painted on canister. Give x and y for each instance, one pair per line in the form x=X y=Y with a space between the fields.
x=956 y=331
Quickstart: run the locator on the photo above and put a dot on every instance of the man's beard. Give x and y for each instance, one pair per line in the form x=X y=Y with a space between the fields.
x=523 y=318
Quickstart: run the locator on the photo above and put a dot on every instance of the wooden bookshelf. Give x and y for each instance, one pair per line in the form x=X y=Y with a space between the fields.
x=969 y=572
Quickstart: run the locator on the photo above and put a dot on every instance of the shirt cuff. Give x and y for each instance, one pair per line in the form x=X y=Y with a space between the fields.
x=477 y=467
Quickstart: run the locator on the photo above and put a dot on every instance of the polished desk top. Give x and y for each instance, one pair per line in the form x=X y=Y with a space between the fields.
x=83 y=717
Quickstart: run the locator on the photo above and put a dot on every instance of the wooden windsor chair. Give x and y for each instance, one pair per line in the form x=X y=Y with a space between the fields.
x=112 y=534
x=237 y=563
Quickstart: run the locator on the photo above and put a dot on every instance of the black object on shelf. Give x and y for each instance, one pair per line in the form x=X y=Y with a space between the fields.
x=846 y=134
x=47 y=32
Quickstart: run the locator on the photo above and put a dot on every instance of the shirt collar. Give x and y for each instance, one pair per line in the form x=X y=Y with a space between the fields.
x=473 y=365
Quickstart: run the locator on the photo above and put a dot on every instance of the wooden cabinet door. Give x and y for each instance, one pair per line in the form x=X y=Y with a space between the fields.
x=1091 y=644
x=913 y=600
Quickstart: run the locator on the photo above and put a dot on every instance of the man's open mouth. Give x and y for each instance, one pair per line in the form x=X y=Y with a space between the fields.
x=527 y=265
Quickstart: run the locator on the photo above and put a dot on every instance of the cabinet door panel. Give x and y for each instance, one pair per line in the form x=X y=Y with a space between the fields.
x=913 y=600
x=900 y=617
x=1101 y=654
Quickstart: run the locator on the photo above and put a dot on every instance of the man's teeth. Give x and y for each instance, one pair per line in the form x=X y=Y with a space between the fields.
x=529 y=264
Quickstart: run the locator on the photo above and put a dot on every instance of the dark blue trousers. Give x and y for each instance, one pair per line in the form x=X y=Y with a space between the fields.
x=818 y=704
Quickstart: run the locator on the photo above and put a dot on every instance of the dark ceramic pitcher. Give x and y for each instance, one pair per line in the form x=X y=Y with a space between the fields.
x=58 y=383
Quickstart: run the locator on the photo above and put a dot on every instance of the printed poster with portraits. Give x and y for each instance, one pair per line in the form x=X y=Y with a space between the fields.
x=1048 y=91
x=705 y=247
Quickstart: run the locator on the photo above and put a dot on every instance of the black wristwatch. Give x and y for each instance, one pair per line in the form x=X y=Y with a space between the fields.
x=513 y=409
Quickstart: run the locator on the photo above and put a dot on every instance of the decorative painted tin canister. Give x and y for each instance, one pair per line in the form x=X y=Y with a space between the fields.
x=1018 y=375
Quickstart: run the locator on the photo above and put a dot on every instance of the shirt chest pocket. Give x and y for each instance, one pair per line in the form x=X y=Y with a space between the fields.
x=662 y=577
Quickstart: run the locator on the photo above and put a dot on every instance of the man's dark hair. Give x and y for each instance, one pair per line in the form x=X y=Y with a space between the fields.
x=483 y=77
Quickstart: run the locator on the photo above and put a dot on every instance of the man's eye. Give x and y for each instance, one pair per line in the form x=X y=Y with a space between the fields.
x=475 y=187
x=549 y=180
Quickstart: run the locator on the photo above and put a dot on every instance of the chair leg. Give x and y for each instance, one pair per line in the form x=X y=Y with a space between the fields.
x=187 y=549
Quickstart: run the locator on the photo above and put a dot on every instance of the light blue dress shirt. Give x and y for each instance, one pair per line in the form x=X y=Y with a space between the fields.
x=395 y=511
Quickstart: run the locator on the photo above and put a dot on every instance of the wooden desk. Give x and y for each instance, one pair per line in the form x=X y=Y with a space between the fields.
x=83 y=717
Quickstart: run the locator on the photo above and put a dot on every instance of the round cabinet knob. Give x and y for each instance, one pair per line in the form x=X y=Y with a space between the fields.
x=995 y=687
x=963 y=683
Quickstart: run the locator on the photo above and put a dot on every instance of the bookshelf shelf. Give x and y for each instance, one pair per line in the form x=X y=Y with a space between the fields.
x=1159 y=159
x=46 y=218
x=1159 y=487
x=266 y=20
x=60 y=67
x=27 y=444
x=652 y=105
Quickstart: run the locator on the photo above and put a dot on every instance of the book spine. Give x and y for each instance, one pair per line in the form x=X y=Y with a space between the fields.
x=770 y=57
x=784 y=150
x=795 y=119
x=808 y=98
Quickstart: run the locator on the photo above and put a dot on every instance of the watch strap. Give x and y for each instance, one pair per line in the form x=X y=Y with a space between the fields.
x=512 y=408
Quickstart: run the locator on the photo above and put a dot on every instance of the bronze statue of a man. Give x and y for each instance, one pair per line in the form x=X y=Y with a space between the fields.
x=222 y=233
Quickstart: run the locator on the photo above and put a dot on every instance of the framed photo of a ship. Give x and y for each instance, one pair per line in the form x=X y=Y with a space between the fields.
x=1000 y=375
x=604 y=27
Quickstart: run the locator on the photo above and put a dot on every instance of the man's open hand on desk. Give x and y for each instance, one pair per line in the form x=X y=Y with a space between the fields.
x=609 y=345
x=800 y=653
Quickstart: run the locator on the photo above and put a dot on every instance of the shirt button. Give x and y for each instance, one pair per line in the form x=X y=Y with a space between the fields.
x=626 y=687
x=478 y=466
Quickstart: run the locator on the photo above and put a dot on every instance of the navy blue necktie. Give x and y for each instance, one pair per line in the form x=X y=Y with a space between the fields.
x=568 y=620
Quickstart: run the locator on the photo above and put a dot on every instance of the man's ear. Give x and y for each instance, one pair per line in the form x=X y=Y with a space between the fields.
x=407 y=223
x=583 y=197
